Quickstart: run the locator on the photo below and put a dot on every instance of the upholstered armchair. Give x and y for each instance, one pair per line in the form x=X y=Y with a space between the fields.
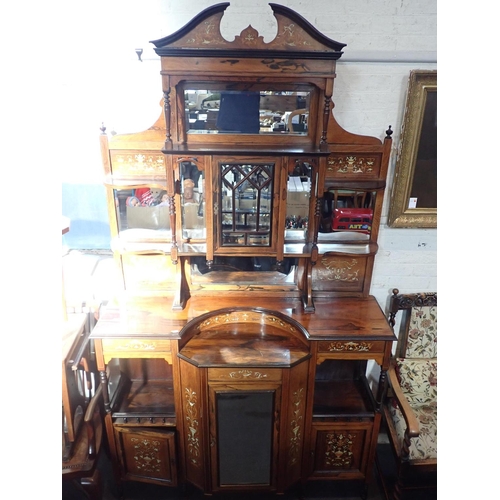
x=410 y=407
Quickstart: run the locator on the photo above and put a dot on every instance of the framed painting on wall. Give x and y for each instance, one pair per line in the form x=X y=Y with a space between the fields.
x=414 y=191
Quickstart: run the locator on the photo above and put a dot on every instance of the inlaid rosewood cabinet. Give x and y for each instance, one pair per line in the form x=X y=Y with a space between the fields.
x=245 y=223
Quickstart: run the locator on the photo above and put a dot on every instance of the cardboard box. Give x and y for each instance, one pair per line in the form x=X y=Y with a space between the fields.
x=148 y=217
x=297 y=203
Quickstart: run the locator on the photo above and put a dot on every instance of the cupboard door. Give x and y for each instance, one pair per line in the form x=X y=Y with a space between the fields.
x=248 y=204
x=340 y=450
x=147 y=455
x=243 y=436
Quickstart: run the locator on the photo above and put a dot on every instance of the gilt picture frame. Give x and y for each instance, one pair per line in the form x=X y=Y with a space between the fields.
x=413 y=201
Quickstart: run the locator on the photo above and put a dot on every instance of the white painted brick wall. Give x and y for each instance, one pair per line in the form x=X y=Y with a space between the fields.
x=385 y=41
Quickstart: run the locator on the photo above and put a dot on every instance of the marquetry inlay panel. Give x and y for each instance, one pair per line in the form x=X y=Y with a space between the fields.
x=135 y=345
x=192 y=426
x=138 y=163
x=248 y=374
x=341 y=165
x=339 y=449
x=297 y=408
x=351 y=346
x=147 y=455
x=148 y=272
x=246 y=317
x=341 y=270
x=290 y=36
x=334 y=272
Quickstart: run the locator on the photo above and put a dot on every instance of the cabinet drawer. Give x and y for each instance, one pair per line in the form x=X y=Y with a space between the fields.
x=136 y=348
x=247 y=374
x=359 y=166
x=349 y=346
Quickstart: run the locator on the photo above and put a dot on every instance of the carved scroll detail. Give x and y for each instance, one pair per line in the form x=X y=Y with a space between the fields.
x=339 y=450
x=147 y=455
x=193 y=440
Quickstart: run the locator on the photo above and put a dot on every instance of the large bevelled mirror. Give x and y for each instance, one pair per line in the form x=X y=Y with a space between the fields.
x=247 y=111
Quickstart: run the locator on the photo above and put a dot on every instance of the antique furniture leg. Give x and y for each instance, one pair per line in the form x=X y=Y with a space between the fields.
x=93 y=485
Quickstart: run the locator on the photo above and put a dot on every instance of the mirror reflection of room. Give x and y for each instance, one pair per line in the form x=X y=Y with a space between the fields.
x=297 y=204
x=246 y=112
x=348 y=211
x=145 y=207
x=192 y=187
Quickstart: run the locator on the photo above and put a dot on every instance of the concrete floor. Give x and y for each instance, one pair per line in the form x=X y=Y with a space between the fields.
x=133 y=490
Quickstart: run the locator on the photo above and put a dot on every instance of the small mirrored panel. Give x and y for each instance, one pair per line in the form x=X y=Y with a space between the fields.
x=143 y=208
x=192 y=185
x=242 y=264
x=246 y=204
x=221 y=111
x=297 y=201
x=347 y=214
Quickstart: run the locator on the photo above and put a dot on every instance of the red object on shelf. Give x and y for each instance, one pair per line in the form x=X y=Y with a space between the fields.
x=352 y=219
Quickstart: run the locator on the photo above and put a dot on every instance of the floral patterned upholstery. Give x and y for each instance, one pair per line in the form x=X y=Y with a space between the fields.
x=417 y=375
x=418 y=380
x=411 y=394
x=422 y=333
x=425 y=445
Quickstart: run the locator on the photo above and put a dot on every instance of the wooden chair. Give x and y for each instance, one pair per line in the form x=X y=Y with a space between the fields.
x=82 y=422
x=301 y=124
x=410 y=406
x=82 y=466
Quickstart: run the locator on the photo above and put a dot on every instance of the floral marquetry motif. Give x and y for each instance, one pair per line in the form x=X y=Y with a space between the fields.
x=294 y=33
x=351 y=164
x=138 y=164
x=246 y=317
x=249 y=37
x=296 y=425
x=344 y=270
x=339 y=451
x=349 y=346
x=193 y=439
x=137 y=345
x=147 y=455
x=247 y=374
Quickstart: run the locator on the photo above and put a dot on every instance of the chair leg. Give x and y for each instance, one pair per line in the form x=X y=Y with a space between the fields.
x=92 y=485
x=398 y=490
